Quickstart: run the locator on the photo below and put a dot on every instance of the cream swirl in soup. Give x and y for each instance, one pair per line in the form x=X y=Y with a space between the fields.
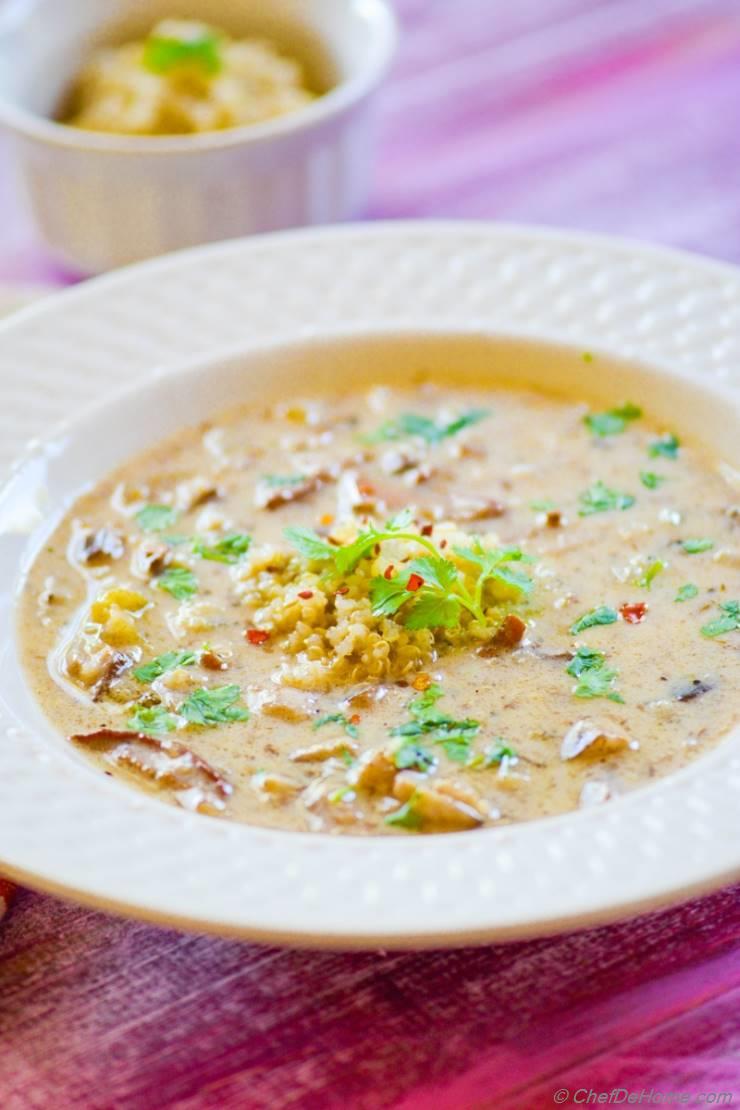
x=396 y=611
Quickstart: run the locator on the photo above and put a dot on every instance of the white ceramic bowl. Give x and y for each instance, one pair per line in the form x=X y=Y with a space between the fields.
x=102 y=201
x=471 y=300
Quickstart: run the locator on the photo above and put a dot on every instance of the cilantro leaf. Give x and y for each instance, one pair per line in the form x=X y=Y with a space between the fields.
x=600 y=499
x=340 y=719
x=612 y=422
x=585 y=659
x=455 y=736
x=213 y=706
x=650 y=479
x=729 y=622
x=229 y=549
x=163 y=53
x=153 y=720
x=310 y=545
x=179 y=582
x=413 y=757
x=410 y=424
x=493 y=756
x=603 y=614
x=156 y=518
x=696 y=546
x=686 y=592
x=407 y=817
x=664 y=448
x=434 y=612
x=595 y=679
x=147 y=672
x=279 y=481
x=652 y=570
x=387 y=595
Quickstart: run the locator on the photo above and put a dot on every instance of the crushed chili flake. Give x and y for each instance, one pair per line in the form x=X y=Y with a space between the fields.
x=422 y=682
x=305 y=594
x=388 y=572
x=634 y=613
x=342 y=590
x=257 y=635
x=366 y=488
x=427 y=530
x=414 y=583
x=354 y=719
x=326 y=518
x=443 y=544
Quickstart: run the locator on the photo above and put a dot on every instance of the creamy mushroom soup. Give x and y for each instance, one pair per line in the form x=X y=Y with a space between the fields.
x=395 y=611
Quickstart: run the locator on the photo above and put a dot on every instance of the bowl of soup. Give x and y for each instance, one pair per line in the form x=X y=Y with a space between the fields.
x=379 y=611
x=140 y=130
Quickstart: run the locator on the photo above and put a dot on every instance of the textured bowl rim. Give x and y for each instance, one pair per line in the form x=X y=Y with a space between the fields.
x=693 y=849
x=343 y=96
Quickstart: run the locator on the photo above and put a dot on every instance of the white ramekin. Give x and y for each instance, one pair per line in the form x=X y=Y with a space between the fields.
x=102 y=201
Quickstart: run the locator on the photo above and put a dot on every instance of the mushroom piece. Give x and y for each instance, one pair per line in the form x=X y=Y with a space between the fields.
x=269 y=496
x=585 y=736
x=507 y=636
x=97 y=545
x=316 y=753
x=466 y=511
x=274 y=787
x=374 y=771
x=150 y=557
x=440 y=805
x=195 y=783
x=116 y=664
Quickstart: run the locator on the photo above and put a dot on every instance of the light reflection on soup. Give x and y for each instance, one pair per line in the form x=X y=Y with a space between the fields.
x=395 y=612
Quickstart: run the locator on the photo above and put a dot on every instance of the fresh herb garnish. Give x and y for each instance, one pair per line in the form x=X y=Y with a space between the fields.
x=612 y=422
x=542 y=506
x=454 y=736
x=665 y=448
x=163 y=53
x=413 y=757
x=179 y=582
x=229 y=549
x=213 y=705
x=493 y=756
x=411 y=424
x=728 y=622
x=600 y=499
x=339 y=719
x=154 y=720
x=163 y=663
x=603 y=614
x=595 y=679
x=654 y=568
x=407 y=817
x=696 y=546
x=650 y=479
x=686 y=592
x=155 y=518
x=280 y=481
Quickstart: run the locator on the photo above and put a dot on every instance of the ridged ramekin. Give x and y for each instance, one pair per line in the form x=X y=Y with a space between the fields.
x=102 y=201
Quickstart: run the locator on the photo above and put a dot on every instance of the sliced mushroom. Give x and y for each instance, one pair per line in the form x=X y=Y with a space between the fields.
x=194 y=782
x=692 y=688
x=117 y=664
x=150 y=557
x=374 y=771
x=271 y=497
x=468 y=510
x=586 y=736
x=97 y=545
x=316 y=753
x=274 y=786
x=437 y=805
x=194 y=492
x=507 y=636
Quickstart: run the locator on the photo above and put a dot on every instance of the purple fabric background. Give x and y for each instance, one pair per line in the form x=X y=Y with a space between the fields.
x=614 y=115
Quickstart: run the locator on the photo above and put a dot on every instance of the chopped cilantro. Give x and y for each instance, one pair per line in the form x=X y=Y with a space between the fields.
x=686 y=592
x=696 y=546
x=180 y=582
x=650 y=479
x=654 y=568
x=664 y=448
x=163 y=663
x=612 y=422
x=411 y=424
x=279 y=481
x=454 y=736
x=413 y=757
x=202 y=51
x=310 y=545
x=229 y=549
x=728 y=622
x=339 y=719
x=213 y=705
x=155 y=518
x=407 y=817
x=493 y=756
x=600 y=499
x=603 y=614
x=595 y=679
x=153 y=720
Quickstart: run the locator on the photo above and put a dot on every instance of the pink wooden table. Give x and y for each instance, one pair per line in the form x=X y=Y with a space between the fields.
x=616 y=115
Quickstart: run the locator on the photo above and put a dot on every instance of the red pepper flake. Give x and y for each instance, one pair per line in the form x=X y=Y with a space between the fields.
x=634 y=613
x=257 y=635
x=354 y=719
x=422 y=682
x=306 y=594
x=427 y=530
x=342 y=590
x=443 y=544
x=388 y=572
x=367 y=489
x=414 y=583
x=326 y=519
